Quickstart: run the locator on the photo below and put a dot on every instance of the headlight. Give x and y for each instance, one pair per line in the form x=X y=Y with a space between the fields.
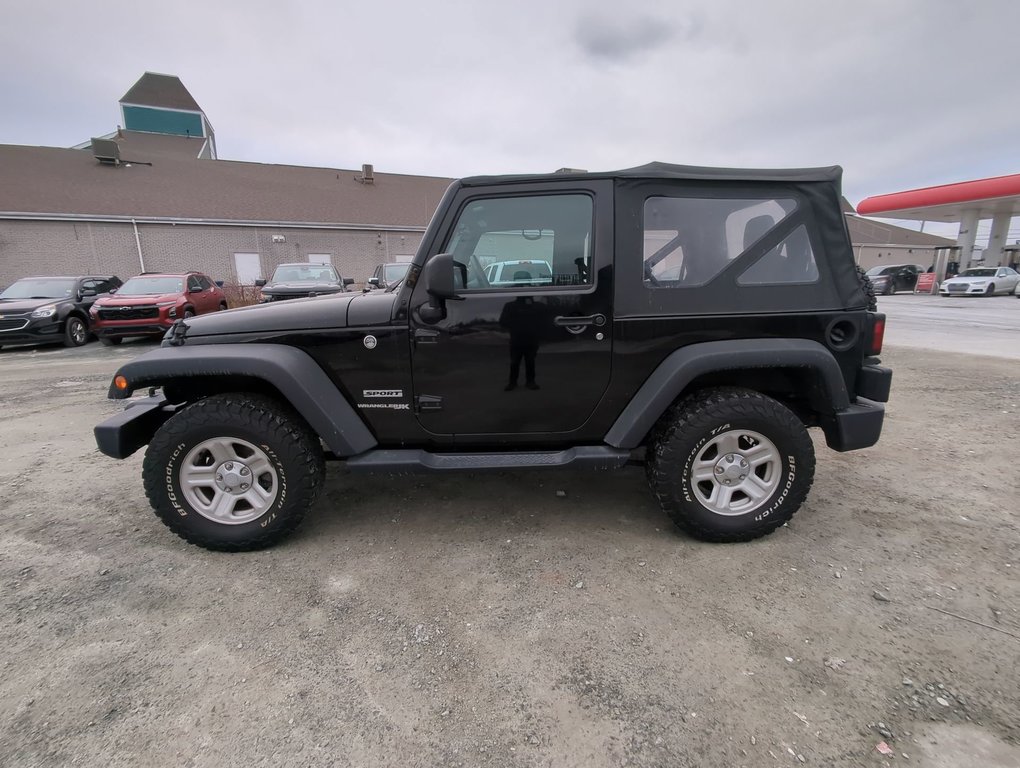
x=44 y=312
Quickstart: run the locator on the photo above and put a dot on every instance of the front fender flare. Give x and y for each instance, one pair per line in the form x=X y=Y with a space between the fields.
x=677 y=371
x=293 y=373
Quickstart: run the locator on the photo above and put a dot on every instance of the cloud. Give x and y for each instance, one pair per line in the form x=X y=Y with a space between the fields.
x=616 y=39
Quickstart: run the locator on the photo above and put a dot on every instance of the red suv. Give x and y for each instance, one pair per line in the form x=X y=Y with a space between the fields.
x=150 y=303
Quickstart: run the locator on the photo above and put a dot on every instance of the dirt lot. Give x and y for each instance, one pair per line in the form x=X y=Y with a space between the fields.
x=485 y=620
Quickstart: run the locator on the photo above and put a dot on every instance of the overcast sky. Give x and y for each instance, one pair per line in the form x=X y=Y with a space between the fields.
x=901 y=93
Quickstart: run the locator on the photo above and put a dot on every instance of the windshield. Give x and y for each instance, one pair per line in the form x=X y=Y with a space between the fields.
x=876 y=271
x=395 y=272
x=40 y=288
x=300 y=273
x=978 y=273
x=151 y=286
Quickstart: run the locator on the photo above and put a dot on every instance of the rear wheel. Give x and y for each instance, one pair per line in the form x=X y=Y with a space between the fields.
x=76 y=332
x=730 y=464
x=223 y=305
x=233 y=472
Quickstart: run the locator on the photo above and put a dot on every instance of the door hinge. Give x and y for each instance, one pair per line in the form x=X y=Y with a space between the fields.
x=428 y=403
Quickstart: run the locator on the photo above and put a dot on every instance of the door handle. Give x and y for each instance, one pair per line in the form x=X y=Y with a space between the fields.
x=425 y=336
x=574 y=321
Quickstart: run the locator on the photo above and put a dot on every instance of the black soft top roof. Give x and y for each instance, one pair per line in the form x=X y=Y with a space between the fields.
x=832 y=173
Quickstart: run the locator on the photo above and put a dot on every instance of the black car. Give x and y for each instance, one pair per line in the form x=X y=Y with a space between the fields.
x=386 y=275
x=894 y=277
x=51 y=309
x=301 y=280
x=697 y=321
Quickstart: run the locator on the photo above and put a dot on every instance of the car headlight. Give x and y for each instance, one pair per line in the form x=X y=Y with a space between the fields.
x=44 y=312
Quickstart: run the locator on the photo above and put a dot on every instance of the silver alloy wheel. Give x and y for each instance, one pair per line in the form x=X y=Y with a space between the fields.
x=228 y=480
x=78 y=332
x=736 y=472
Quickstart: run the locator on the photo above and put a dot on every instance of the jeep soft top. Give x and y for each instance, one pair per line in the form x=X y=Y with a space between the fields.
x=696 y=320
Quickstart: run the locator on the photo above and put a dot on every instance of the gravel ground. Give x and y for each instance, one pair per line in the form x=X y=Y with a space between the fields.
x=487 y=620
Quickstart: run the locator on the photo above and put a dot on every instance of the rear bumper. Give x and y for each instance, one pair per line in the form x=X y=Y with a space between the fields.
x=123 y=434
x=855 y=427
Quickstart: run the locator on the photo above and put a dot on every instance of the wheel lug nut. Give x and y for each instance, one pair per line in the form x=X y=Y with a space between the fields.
x=244 y=470
x=718 y=470
x=244 y=486
x=743 y=463
x=228 y=466
x=220 y=478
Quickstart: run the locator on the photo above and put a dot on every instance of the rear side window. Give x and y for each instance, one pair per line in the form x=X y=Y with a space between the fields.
x=790 y=262
x=689 y=240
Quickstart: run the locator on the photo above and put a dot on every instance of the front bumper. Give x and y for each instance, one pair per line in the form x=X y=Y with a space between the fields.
x=962 y=289
x=123 y=434
x=110 y=328
x=33 y=332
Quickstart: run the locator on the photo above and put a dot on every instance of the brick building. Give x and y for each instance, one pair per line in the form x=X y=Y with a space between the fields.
x=154 y=196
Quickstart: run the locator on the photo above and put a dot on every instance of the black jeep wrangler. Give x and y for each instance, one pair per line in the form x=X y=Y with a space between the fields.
x=697 y=320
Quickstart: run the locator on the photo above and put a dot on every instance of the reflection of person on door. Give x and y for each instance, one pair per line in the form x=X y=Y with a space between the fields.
x=523 y=317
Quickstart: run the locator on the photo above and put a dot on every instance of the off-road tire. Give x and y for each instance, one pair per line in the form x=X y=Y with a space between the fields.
x=76 y=331
x=683 y=431
x=290 y=445
x=110 y=341
x=869 y=289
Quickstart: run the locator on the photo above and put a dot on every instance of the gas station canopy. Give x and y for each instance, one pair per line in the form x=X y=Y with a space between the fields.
x=949 y=202
x=967 y=202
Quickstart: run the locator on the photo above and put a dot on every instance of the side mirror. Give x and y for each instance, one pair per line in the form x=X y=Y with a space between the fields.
x=87 y=293
x=373 y=281
x=260 y=282
x=219 y=283
x=348 y=281
x=437 y=280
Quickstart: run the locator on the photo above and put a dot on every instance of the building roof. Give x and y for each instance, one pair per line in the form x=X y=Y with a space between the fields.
x=177 y=185
x=156 y=90
x=868 y=232
x=949 y=202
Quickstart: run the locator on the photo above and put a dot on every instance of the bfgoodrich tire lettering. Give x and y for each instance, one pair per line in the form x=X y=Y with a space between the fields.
x=278 y=435
x=682 y=437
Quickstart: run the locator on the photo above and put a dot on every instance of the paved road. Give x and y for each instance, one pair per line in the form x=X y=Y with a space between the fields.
x=972 y=324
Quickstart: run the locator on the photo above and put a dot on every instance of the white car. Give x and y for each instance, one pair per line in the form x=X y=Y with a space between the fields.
x=981 y=281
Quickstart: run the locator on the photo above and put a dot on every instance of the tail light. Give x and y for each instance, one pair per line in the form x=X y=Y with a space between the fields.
x=877 y=334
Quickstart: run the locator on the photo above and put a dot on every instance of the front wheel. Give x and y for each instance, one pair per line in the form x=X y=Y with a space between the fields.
x=76 y=333
x=233 y=472
x=990 y=290
x=730 y=464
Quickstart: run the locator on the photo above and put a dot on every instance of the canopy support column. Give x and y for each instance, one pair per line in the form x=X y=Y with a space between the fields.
x=965 y=240
x=997 y=240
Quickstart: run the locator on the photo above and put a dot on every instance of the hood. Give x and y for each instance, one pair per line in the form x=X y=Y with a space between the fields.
x=20 y=306
x=302 y=287
x=316 y=313
x=968 y=279
x=133 y=301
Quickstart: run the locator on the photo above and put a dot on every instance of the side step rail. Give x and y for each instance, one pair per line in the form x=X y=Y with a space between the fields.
x=413 y=460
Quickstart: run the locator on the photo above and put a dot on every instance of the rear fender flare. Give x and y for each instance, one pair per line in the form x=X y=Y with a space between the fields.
x=669 y=380
x=291 y=371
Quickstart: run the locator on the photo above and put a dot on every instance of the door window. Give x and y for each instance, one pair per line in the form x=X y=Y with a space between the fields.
x=194 y=284
x=515 y=243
